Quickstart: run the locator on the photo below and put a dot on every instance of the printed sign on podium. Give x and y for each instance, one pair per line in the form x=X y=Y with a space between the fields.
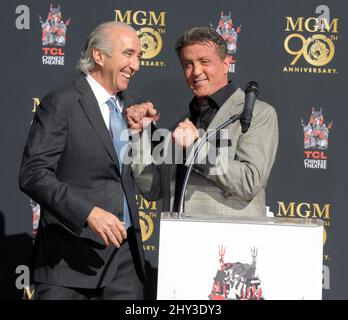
x=220 y=258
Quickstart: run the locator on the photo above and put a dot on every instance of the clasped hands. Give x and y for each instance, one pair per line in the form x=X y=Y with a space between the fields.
x=141 y=115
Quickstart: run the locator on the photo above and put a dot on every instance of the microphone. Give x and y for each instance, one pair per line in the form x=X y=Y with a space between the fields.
x=251 y=93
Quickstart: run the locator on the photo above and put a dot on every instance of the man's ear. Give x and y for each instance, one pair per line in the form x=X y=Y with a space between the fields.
x=98 y=57
x=227 y=62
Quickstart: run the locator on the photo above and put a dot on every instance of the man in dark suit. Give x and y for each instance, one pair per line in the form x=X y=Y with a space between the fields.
x=89 y=245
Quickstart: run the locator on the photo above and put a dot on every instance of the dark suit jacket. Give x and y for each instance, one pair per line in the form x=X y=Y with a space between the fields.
x=70 y=166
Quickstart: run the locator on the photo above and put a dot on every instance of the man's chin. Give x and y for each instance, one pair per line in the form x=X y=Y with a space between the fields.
x=200 y=93
x=122 y=86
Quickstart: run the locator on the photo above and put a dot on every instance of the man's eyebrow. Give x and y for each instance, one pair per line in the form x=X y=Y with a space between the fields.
x=128 y=50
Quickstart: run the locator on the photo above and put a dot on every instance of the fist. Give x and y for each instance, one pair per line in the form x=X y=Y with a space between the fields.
x=140 y=116
x=185 y=133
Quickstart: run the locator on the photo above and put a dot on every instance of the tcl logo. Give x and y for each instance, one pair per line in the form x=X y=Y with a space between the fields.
x=53 y=51
x=315 y=154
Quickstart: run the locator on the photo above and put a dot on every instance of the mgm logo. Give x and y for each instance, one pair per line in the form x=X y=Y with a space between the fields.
x=313 y=211
x=150 y=29
x=147 y=221
x=313 y=39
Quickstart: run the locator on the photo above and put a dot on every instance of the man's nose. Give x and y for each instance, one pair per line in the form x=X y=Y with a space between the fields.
x=197 y=69
x=135 y=63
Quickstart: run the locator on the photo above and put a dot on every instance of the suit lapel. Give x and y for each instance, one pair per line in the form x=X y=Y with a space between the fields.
x=231 y=106
x=127 y=181
x=90 y=106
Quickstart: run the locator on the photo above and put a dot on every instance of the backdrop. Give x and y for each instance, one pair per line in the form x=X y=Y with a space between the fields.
x=293 y=49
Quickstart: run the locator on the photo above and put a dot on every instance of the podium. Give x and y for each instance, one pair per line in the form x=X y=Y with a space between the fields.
x=224 y=258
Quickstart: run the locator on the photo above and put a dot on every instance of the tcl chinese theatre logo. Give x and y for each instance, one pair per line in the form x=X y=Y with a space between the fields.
x=229 y=33
x=316 y=140
x=53 y=36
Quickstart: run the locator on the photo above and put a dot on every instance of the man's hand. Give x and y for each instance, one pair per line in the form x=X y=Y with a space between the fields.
x=107 y=226
x=185 y=133
x=140 y=116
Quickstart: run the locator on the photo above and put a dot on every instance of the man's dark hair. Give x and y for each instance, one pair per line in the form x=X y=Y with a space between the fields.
x=202 y=35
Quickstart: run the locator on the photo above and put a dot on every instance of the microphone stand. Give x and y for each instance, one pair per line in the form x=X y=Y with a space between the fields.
x=207 y=136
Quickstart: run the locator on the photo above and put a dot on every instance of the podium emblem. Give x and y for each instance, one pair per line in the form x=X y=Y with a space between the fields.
x=236 y=280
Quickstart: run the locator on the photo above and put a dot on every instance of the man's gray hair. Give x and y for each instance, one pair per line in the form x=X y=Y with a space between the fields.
x=98 y=39
x=197 y=35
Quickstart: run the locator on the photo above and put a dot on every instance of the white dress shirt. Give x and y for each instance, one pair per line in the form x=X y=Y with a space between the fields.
x=102 y=96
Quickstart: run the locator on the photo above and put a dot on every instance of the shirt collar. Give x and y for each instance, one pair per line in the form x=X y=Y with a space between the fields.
x=100 y=93
x=220 y=96
x=216 y=100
